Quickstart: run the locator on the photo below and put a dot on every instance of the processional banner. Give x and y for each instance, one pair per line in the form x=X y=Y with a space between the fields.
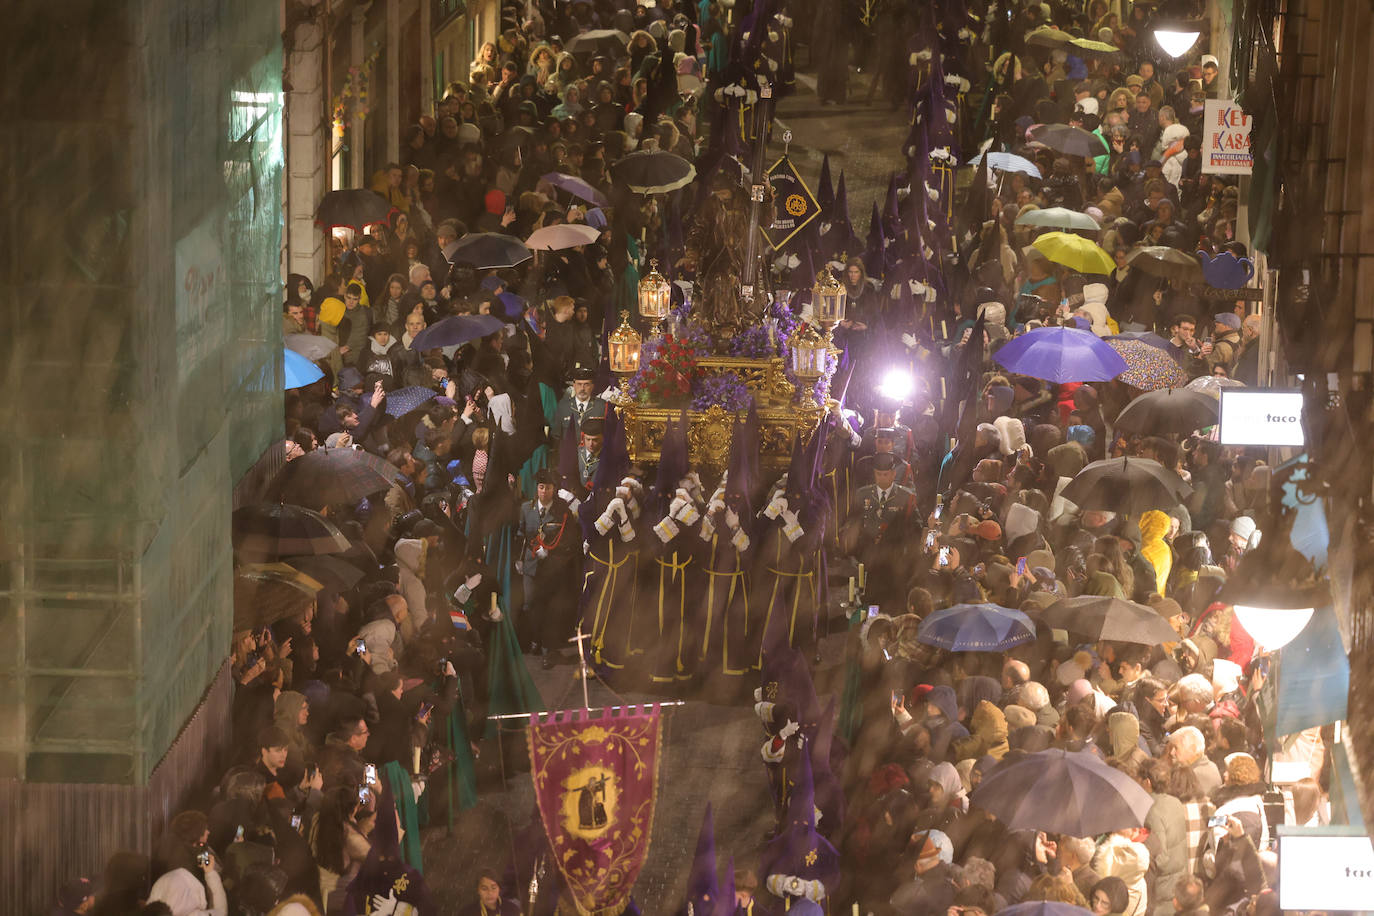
x=595 y=780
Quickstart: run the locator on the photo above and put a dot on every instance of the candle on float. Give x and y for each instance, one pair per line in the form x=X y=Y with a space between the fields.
x=861 y=576
x=942 y=388
x=851 y=590
x=415 y=760
x=944 y=330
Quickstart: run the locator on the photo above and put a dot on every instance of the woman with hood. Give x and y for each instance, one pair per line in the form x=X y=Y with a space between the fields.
x=941 y=721
x=1154 y=525
x=571 y=105
x=1120 y=856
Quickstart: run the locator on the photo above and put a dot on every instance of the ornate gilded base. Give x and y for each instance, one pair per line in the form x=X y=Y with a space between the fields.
x=781 y=422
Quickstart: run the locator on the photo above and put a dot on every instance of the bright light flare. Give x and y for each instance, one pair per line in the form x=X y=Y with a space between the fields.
x=897 y=384
x=1273 y=628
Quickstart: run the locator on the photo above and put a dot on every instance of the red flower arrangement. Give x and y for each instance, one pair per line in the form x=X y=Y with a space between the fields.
x=670 y=370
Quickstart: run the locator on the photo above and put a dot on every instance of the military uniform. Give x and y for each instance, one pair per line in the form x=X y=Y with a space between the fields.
x=880 y=524
x=552 y=539
x=571 y=411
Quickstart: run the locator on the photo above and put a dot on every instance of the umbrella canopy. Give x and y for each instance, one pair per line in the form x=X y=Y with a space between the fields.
x=653 y=172
x=1086 y=47
x=311 y=346
x=353 y=208
x=299 y=371
x=976 y=628
x=1148 y=368
x=1072 y=141
x=455 y=330
x=1163 y=261
x=1127 y=486
x=1094 y=618
x=1058 y=791
x=333 y=573
x=1043 y=908
x=1211 y=385
x=261 y=601
x=1149 y=337
x=403 y=400
x=1075 y=252
x=564 y=235
x=578 y=188
x=1168 y=410
x=486 y=250
x=284 y=573
x=1007 y=162
x=1049 y=37
x=608 y=42
x=1061 y=355
x=269 y=531
x=1058 y=217
x=332 y=475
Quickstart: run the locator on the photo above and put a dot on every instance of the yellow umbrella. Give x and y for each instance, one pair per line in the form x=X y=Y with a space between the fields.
x=1075 y=253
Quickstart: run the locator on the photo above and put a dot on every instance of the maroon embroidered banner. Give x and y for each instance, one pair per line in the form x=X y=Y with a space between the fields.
x=596 y=781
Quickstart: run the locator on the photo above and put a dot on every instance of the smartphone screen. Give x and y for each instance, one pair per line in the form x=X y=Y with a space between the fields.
x=944 y=556
x=873 y=610
x=1217 y=820
x=370 y=773
x=930 y=539
x=939 y=508
x=1021 y=566
x=296 y=822
x=424 y=710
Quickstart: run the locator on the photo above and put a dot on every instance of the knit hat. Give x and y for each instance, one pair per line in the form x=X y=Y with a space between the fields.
x=1243 y=526
x=1018 y=717
x=988 y=530
x=495 y=201
x=1229 y=319
x=331 y=311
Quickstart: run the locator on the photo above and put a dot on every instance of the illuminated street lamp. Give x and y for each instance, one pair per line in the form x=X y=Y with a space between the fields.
x=655 y=297
x=827 y=301
x=1275 y=588
x=624 y=344
x=1173 y=31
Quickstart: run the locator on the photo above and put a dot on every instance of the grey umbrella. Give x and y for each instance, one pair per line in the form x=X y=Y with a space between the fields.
x=1128 y=486
x=1067 y=792
x=311 y=346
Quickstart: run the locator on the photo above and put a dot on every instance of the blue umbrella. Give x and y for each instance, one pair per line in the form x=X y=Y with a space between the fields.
x=456 y=330
x=512 y=306
x=577 y=188
x=1008 y=162
x=403 y=400
x=1061 y=355
x=976 y=628
x=299 y=371
x=1058 y=791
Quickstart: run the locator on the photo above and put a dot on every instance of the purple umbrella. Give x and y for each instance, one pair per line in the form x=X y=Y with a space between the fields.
x=455 y=331
x=577 y=188
x=1061 y=355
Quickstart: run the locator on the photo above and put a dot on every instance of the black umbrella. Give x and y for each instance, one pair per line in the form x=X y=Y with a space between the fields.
x=1104 y=617
x=332 y=475
x=354 y=208
x=1072 y=141
x=269 y=531
x=1168 y=410
x=334 y=573
x=456 y=330
x=1068 y=792
x=486 y=250
x=1167 y=262
x=1129 y=486
x=605 y=42
x=653 y=172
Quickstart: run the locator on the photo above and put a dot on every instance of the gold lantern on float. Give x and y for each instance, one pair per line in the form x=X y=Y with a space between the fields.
x=655 y=297
x=808 y=352
x=623 y=345
x=828 y=301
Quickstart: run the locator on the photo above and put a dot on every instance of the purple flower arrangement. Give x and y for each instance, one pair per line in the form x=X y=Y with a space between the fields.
x=726 y=390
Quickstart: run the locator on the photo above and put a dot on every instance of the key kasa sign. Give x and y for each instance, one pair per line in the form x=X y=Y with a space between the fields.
x=1226 y=139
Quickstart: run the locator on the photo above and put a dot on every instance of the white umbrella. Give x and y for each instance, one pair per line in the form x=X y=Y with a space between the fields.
x=563 y=235
x=1058 y=218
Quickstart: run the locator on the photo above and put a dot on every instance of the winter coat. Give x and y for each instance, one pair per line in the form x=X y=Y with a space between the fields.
x=1128 y=861
x=988 y=734
x=1167 y=822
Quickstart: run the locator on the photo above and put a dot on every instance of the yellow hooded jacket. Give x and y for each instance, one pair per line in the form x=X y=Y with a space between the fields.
x=1153 y=526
